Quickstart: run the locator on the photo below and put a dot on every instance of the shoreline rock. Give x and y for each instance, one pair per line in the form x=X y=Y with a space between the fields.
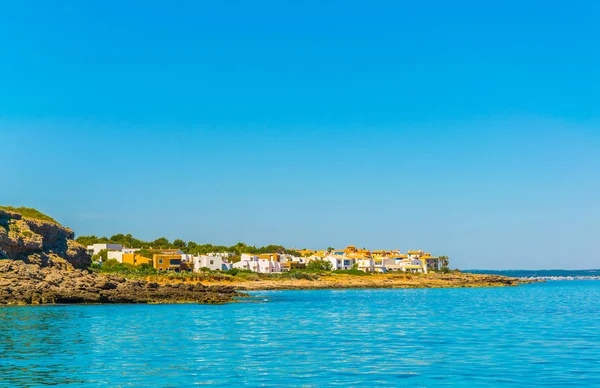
x=39 y=261
x=22 y=283
x=376 y=281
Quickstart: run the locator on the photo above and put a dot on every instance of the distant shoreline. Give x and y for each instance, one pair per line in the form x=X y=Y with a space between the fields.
x=543 y=274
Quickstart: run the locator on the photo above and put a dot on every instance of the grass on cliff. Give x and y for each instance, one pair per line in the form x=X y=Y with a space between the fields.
x=30 y=213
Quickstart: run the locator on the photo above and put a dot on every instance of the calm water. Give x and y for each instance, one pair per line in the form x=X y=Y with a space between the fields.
x=535 y=335
x=518 y=273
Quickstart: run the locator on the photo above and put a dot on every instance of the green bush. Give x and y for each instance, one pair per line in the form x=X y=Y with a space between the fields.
x=113 y=266
x=235 y=271
x=29 y=213
x=318 y=265
x=248 y=276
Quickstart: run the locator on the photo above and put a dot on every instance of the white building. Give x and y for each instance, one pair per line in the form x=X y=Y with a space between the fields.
x=224 y=255
x=259 y=263
x=96 y=248
x=366 y=264
x=405 y=265
x=247 y=261
x=339 y=261
x=211 y=262
x=117 y=255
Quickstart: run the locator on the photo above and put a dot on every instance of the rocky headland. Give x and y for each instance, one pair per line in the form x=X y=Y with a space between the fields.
x=41 y=263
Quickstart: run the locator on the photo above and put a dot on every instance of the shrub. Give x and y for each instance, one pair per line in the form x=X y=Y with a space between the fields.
x=248 y=276
x=319 y=265
x=30 y=213
x=235 y=271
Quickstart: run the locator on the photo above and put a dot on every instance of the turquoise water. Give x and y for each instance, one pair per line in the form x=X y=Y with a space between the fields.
x=534 y=335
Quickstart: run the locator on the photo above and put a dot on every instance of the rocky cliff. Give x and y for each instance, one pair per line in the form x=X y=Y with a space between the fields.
x=41 y=263
x=40 y=242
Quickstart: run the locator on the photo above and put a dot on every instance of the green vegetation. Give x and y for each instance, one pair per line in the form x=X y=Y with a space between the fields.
x=29 y=213
x=113 y=266
x=190 y=247
x=445 y=261
x=102 y=256
x=318 y=265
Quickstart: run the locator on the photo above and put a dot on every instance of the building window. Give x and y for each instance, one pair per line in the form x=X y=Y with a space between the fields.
x=159 y=261
x=211 y=262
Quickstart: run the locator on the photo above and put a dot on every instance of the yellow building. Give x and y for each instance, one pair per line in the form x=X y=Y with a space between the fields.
x=167 y=262
x=135 y=259
x=290 y=265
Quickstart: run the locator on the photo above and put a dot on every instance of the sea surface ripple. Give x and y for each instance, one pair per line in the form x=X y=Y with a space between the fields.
x=534 y=335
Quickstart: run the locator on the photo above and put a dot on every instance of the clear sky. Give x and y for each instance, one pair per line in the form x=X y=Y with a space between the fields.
x=465 y=128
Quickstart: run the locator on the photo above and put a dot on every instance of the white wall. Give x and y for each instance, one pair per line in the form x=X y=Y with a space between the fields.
x=211 y=262
x=115 y=255
x=96 y=248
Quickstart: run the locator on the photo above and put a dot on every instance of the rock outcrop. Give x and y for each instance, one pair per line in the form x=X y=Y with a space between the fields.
x=22 y=283
x=38 y=241
x=41 y=263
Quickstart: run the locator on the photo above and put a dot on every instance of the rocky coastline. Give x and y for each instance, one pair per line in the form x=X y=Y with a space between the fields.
x=40 y=263
x=389 y=280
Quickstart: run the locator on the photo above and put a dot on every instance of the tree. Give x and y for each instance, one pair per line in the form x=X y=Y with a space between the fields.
x=161 y=243
x=445 y=262
x=179 y=244
x=330 y=249
x=117 y=238
x=148 y=253
x=102 y=256
x=319 y=265
x=110 y=263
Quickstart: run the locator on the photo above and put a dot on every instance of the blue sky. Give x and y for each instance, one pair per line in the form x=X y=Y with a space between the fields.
x=465 y=128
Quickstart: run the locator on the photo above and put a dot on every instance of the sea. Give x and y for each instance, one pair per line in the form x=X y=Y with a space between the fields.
x=535 y=335
x=544 y=274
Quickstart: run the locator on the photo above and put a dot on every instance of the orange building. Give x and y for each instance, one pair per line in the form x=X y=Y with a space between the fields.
x=134 y=259
x=164 y=263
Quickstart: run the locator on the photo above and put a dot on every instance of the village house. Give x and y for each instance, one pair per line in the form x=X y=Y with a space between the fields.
x=167 y=262
x=366 y=264
x=340 y=261
x=214 y=263
x=262 y=263
x=96 y=248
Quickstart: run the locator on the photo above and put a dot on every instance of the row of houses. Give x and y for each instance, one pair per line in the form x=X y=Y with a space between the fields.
x=166 y=259
x=381 y=261
x=346 y=259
